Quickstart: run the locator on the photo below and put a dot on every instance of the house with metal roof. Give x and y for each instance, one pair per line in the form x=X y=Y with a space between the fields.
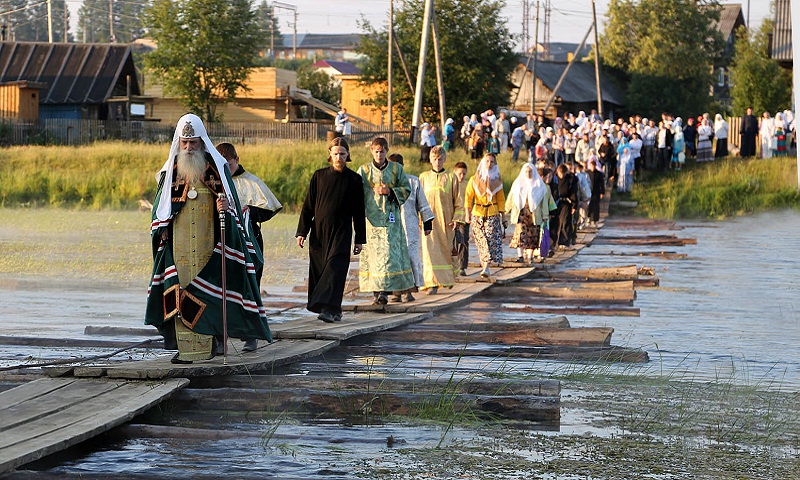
x=316 y=46
x=781 y=50
x=577 y=92
x=73 y=80
x=730 y=19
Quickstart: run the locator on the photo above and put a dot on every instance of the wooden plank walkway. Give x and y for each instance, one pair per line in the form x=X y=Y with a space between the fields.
x=50 y=414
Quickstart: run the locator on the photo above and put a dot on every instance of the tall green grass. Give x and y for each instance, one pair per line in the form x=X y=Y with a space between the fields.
x=720 y=189
x=116 y=175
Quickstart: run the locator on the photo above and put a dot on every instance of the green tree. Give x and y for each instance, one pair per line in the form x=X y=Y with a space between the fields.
x=476 y=51
x=206 y=50
x=321 y=86
x=94 y=26
x=758 y=81
x=665 y=50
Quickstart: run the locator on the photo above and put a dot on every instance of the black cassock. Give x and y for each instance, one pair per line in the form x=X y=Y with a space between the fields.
x=333 y=209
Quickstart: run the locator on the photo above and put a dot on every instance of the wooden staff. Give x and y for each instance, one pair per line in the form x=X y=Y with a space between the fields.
x=222 y=284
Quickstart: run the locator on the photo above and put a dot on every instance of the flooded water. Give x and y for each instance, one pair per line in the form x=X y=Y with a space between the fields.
x=728 y=312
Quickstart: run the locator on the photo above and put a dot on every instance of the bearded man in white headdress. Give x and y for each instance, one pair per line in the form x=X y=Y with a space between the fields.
x=186 y=289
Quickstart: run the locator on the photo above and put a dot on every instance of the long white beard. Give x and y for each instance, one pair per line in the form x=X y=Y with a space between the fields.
x=191 y=165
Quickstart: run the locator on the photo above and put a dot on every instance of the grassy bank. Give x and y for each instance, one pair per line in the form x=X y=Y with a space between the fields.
x=720 y=189
x=116 y=175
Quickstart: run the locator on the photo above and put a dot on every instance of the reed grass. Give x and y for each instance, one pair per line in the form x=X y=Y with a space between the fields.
x=117 y=175
x=721 y=189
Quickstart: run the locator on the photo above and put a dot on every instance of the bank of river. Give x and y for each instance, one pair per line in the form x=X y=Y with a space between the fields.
x=720 y=330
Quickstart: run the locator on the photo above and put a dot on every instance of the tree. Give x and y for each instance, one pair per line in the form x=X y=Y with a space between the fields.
x=476 y=49
x=206 y=50
x=758 y=81
x=665 y=50
x=94 y=26
x=320 y=84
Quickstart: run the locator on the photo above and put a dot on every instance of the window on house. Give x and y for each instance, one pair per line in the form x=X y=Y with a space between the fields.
x=730 y=78
x=721 y=76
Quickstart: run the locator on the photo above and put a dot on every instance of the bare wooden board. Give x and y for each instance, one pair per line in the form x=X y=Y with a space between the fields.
x=546 y=352
x=626 y=296
x=49 y=415
x=350 y=326
x=493 y=324
x=459 y=294
x=599 y=311
x=583 y=336
x=266 y=358
x=627 y=272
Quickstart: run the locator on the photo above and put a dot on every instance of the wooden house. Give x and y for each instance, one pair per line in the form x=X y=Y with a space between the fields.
x=315 y=46
x=358 y=98
x=267 y=100
x=69 y=80
x=781 y=41
x=730 y=19
x=577 y=92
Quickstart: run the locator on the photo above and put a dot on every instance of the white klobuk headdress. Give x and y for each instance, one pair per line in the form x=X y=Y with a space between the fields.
x=189 y=126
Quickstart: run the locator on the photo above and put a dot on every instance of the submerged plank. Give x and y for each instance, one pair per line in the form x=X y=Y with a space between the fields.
x=600 y=311
x=63 y=412
x=583 y=336
x=546 y=352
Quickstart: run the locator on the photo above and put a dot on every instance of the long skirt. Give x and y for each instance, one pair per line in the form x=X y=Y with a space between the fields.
x=526 y=232
x=722 y=148
x=704 y=153
x=488 y=232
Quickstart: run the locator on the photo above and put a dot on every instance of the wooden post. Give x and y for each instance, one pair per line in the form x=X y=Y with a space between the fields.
x=389 y=84
x=423 y=49
x=597 y=63
x=535 y=56
x=439 y=80
x=50 y=21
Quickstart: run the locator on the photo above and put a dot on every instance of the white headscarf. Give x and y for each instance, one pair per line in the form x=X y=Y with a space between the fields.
x=189 y=126
x=487 y=178
x=527 y=191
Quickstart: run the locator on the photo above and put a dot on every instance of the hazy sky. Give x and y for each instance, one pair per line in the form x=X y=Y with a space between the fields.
x=570 y=19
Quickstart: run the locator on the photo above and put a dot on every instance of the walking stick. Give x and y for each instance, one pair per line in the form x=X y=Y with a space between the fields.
x=222 y=284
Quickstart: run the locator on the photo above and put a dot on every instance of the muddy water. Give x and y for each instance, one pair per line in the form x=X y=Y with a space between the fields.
x=728 y=312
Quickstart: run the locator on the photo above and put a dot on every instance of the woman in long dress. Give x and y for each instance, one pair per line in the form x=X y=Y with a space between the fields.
x=767 y=131
x=704 y=133
x=721 y=129
x=678 y=146
x=525 y=209
x=626 y=167
x=484 y=205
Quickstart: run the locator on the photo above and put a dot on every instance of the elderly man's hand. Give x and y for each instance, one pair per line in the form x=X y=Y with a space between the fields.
x=222 y=203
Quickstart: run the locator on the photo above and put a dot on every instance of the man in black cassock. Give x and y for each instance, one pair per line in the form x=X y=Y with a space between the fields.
x=333 y=209
x=749 y=131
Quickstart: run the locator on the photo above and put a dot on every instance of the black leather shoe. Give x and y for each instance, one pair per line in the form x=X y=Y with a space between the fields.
x=326 y=317
x=250 y=345
x=176 y=360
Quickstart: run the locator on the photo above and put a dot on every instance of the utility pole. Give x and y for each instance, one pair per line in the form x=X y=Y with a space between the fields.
x=535 y=56
x=423 y=49
x=389 y=84
x=111 y=36
x=526 y=20
x=50 y=21
x=66 y=23
x=293 y=8
x=795 y=15
x=597 y=62
x=439 y=79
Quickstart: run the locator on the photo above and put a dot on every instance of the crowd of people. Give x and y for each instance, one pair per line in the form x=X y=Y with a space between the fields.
x=412 y=232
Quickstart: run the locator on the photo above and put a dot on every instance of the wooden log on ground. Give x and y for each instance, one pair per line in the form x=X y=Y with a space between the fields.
x=370 y=404
x=552 y=283
x=667 y=240
x=583 y=336
x=547 y=352
x=665 y=255
x=442 y=384
x=121 y=331
x=627 y=272
x=625 y=296
x=483 y=326
x=599 y=311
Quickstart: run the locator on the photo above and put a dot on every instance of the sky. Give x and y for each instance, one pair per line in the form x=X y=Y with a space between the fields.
x=570 y=19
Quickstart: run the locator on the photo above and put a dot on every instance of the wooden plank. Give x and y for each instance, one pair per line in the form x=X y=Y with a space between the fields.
x=545 y=352
x=350 y=326
x=616 y=295
x=266 y=358
x=598 y=311
x=492 y=324
x=442 y=383
x=552 y=283
x=669 y=240
x=626 y=272
x=583 y=336
x=74 y=421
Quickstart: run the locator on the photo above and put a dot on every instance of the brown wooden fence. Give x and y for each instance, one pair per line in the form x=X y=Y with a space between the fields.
x=81 y=132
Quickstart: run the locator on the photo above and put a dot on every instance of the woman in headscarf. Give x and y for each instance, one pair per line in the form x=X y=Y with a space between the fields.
x=767 y=131
x=626 y=166
x=484 y=205
x=721 y=134
x=704 y=133
x=678 y=145
x=525 y=208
